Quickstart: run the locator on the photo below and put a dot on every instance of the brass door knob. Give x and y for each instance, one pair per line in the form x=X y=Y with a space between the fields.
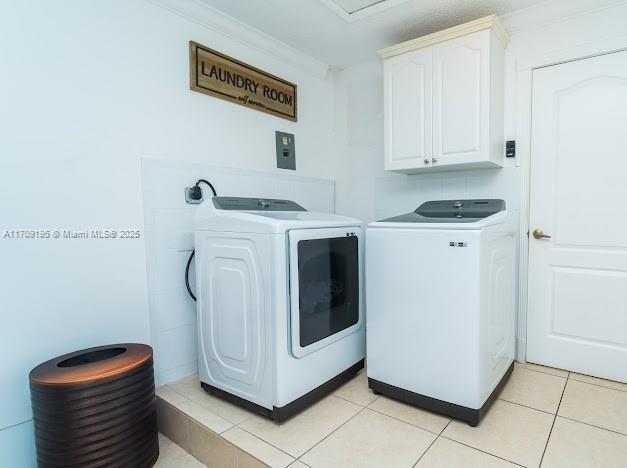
x=539 y=234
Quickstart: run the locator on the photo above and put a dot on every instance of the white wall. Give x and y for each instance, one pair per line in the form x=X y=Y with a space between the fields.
x=86 y=89
x=544 y=34
x=358 y=111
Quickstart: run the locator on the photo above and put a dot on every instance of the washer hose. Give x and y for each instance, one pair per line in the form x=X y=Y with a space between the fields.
x=191 y=257
x=189 y=262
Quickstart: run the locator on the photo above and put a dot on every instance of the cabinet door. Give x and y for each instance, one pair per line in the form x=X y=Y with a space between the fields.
x=407 y=97
x=461 y=99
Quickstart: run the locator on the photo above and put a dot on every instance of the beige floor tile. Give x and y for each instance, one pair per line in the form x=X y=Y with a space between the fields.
x=260 y=449
x=544 y=369
x=169 y=462
x=164 y=442
x=244 y=460
x=306 y=429
x=166 y=393
x=599 y=406
x=596 y=381
x=190 y=388
x=173 y=456
x=371 y=439
x=170 y=454
x=210 y=448
x=205 y=417
x=445 y=453
x=189 y=461
x=410 y=414
x=298 y=464
x=357 y=391
x=573 y=444
x=509 y=431
x=173 y=424
x=535 y=389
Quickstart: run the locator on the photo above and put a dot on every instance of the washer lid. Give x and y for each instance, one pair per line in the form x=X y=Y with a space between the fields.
x=447 y=213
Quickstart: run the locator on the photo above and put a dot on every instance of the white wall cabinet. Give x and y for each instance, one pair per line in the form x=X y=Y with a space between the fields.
x=408 y=119
x=443 y=99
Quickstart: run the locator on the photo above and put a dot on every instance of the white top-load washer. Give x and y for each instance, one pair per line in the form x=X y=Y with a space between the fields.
x=280 y=309
x=441 y=305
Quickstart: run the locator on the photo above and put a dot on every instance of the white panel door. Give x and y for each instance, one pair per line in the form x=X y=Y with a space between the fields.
x=407 y=97
x=577 y=317
x=461 y=99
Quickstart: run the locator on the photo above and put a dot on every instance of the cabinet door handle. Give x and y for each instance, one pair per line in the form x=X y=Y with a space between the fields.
x=427 y=161
x=434 y=160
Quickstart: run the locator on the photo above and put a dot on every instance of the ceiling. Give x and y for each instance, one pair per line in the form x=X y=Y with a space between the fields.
x=352 y=6
x=321 y=31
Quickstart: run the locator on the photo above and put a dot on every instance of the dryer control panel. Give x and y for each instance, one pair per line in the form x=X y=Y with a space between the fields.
x=255 y=204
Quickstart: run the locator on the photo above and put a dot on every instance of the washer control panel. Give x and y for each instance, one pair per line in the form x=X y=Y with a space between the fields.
x=475 y=209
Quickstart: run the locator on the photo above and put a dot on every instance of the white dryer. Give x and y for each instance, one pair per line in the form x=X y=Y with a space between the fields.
x=441 y=305
x=280 y=309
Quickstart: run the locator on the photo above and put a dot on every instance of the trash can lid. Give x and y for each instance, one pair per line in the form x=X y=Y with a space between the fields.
x=88 y=365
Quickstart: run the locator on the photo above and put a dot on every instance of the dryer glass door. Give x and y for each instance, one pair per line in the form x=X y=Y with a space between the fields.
x=324 y=286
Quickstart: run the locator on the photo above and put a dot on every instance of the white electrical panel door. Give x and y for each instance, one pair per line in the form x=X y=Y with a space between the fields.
x=461 y=100
x=407 y=97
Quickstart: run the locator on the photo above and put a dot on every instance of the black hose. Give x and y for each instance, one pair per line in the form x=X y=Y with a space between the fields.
x=189 y=262
x=215 y=194
x=191 y=257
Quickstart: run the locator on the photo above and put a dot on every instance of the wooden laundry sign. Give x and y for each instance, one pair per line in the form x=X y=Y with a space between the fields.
x=224 y=77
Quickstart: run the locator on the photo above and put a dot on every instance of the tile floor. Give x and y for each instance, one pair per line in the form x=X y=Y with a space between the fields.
x=543 y=416
x=173 y=456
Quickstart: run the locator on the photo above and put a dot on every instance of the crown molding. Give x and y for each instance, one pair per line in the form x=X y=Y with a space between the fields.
x=544 y=14
x=487 y=22
x=221 y=23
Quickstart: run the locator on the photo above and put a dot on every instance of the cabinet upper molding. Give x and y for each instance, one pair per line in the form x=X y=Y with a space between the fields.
x=487 y=22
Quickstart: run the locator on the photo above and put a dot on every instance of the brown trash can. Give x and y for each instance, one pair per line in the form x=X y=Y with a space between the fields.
x=96 y=408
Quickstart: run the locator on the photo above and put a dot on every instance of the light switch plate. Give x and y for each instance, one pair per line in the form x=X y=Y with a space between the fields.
x=285 y=151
